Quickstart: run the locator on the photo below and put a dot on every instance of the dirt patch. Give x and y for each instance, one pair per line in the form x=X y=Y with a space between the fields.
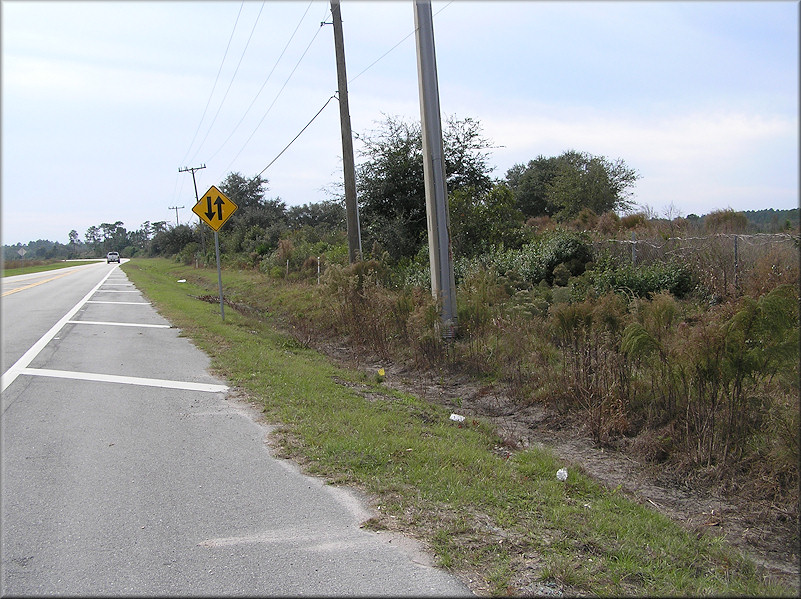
x=766 y=532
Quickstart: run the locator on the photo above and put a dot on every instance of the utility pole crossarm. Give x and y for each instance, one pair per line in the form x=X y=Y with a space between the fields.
x=176 y=208
x=193 y=169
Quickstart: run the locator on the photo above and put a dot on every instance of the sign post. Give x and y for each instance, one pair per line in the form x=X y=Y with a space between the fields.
x=22 y=252
x=214 y=208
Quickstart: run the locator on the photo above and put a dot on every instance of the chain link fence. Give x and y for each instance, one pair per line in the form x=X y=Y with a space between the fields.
x=724 y=264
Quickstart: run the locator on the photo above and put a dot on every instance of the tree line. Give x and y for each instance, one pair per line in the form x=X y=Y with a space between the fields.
x=97 y=242
x=573 y=187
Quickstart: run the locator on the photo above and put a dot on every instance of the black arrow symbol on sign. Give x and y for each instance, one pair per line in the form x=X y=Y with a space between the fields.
x=209 y=212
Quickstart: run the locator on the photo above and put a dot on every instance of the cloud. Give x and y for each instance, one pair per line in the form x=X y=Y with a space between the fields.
x=59 y=80
x=677 y=138
x=699 y=161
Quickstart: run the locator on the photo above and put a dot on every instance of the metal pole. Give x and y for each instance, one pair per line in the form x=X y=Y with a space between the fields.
x=443 y=285
x=351 y=207
x=219 y=274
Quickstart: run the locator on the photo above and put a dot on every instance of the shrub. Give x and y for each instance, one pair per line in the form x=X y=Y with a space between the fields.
x=634 y=221
x=594 y=374
x=760 y=340
x=478 y=297
x=608 y=224
x=624 y=349
x=537 y=260
x=643 y=281
x=188 y=253
x=726 y=221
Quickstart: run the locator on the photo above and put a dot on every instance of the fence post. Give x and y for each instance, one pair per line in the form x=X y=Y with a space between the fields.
x=633 y=248
x=736 y=268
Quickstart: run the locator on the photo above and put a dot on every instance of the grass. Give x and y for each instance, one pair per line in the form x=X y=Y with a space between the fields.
x=20 y=270
x=505 y=523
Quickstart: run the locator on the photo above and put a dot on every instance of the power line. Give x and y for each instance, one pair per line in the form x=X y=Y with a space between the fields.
x=306 y=126
x=381 y=57
x=213 y=87
x=372 y=64
x=176 y=208
x=280 y=91
x=230 y=83
x=175 y=190
x=298 y=135
x=264 y=83
x=192 y=169
x=332 y=97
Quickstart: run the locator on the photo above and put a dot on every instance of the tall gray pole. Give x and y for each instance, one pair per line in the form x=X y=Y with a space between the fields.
x=351 y=207
x=443 y=285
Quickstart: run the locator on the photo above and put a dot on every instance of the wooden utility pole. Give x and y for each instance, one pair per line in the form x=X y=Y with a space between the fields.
x=193 y=169
x=351 y=207
x=443 y=285
x=176 y=208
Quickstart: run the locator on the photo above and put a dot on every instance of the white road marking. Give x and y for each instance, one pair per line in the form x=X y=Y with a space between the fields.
x=10 y=375
x=120 y=324
x=125 y=380
x=117 y=291
x=21 y=365
x=126 y=303
x=283 y=535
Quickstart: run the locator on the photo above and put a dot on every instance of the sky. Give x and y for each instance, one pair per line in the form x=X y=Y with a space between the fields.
x=104 y=101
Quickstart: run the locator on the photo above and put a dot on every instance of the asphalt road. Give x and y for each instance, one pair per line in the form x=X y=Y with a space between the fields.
x=127 y=469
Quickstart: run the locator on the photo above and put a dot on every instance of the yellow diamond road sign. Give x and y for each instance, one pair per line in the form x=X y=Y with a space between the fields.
x=214 y=208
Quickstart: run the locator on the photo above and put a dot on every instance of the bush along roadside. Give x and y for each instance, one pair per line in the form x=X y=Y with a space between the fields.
x=505 y=522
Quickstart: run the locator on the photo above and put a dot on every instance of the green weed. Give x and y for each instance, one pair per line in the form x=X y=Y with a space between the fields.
x=431 y=478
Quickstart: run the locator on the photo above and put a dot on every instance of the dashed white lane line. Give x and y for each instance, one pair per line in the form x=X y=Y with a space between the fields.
x=125 y=303
x=124 y=380
x=10 y=375
x=120 y=324
x=21 y=365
